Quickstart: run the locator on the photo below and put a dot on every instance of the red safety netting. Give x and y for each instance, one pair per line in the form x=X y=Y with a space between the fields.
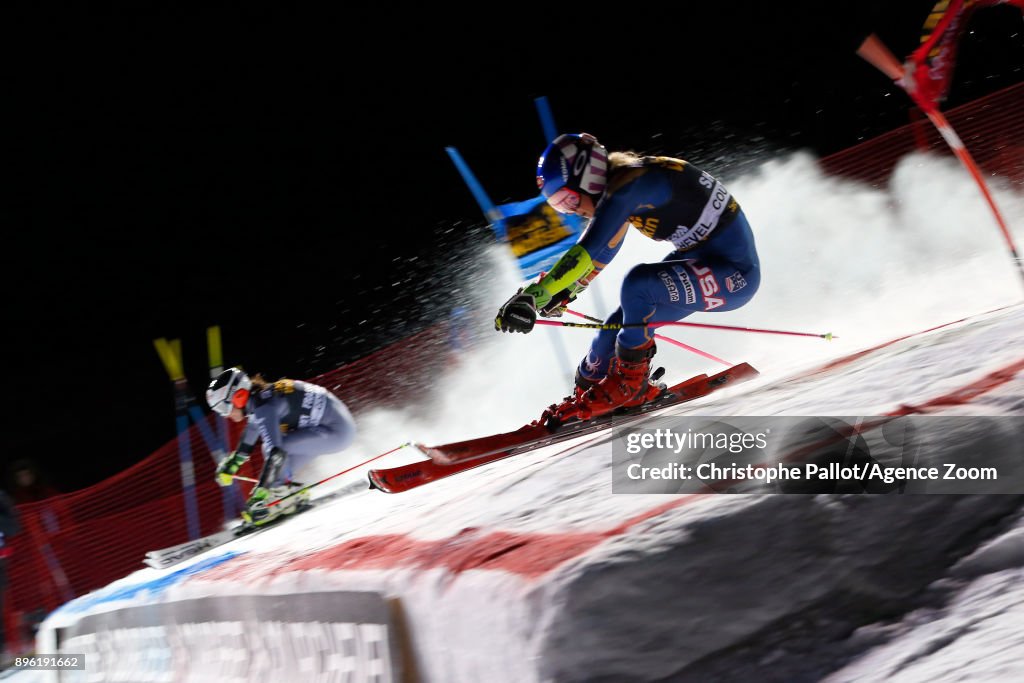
x=77 y=542
x=991 y=127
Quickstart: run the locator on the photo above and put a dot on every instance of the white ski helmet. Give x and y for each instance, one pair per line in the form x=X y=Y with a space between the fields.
x=229 y=390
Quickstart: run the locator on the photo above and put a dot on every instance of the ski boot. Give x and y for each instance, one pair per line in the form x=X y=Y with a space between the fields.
x=628 y=384
x=256 y=511
x=272 y=487
x=581 y=386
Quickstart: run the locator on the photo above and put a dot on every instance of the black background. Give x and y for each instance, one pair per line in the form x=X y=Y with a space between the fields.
x=283 y=174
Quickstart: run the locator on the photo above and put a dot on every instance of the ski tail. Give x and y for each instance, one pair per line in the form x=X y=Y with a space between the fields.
x=167 y=557
x=176 y=554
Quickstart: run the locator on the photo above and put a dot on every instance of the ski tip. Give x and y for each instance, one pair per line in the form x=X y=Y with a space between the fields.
x=737 y=373
x=749 y=369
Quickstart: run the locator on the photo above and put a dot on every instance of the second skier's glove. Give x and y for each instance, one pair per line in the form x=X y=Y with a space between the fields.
x=518 y=314
x=229 y=466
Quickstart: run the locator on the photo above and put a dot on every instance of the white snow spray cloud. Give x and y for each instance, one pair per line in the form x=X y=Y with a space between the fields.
x=836 y=255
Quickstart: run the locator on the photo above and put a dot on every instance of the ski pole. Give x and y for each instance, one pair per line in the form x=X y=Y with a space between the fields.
x=663 y=338
x=333 y=476
x=828 y=336
x=248 y=479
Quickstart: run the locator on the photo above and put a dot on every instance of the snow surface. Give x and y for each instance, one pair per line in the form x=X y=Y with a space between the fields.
x=974 y=636
x=582 y=585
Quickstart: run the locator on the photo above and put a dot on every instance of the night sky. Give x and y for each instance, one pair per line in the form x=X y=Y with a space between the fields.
x=275 y=172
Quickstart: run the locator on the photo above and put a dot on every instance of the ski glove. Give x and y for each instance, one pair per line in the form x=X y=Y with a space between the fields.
x=229 y=466
x=518 y=314
x=560 y=302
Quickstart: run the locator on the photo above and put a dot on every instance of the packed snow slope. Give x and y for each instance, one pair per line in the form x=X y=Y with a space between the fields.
x=530 y=569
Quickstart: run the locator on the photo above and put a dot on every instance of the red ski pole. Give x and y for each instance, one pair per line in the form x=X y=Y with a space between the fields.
x=828 y=336
x=663 y=338
x=334 y=476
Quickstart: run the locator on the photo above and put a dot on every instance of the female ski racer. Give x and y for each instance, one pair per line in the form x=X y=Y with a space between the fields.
x=297 y=422
x=713 y=265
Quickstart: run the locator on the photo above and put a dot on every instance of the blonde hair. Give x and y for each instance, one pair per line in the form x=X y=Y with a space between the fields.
x=622 y=168
x=281 y=386
x=619 y=159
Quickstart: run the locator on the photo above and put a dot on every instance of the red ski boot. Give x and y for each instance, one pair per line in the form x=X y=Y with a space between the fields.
x=627 y=385
x=582 y=385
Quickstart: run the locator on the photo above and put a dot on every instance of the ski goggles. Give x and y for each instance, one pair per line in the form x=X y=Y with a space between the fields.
x=238 y=400
x=565 y=200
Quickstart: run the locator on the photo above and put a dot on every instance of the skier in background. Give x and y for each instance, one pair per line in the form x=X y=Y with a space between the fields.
x=297 y=422
x=9 y=527
x=29 y=483
x=713 y=265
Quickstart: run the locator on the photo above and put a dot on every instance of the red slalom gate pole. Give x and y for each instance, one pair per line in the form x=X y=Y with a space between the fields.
x=878 y=55
x=334 y=476
x=661 y=337
x=828 y=336
x=960 y=150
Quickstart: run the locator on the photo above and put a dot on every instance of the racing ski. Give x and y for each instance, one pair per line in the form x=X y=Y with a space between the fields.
x=176 y=554
x=449 y=459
